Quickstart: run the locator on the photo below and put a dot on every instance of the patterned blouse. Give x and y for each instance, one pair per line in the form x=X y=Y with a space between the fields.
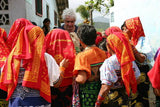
x=110 y=72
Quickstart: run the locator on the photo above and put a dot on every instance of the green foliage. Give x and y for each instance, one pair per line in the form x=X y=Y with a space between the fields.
x=83 y=11
x=90 y=5
x=97 y=5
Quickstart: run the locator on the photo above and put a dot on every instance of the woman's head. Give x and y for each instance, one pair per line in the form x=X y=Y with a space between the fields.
x=15 y=30
x=87 y=34
x=135 y=27
x=46 y=22
x=112 y=29
x=126 y=30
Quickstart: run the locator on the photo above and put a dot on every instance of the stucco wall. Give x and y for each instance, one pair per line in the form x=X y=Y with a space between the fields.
x=16 y=10
x=31 y=11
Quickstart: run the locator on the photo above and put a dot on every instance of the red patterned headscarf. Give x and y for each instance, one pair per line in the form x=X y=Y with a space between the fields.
x=15 y=30
x=118 y=42
x=4 y=50
x=112 y=29
x=30 y=47
x=135 y=27
x=60 y=46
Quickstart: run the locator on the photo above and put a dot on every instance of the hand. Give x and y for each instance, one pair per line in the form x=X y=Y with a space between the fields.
x=64 y=63
x=156 y=91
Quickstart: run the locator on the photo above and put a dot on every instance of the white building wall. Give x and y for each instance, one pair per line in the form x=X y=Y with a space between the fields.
x=16 y=10
x=31 y=11
x=147 y=10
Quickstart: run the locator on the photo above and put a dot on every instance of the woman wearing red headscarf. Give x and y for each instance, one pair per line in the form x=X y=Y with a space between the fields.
x=25 y=73
x=60 y=45
x=118 y=73
x=4 y=51
x=143 y=54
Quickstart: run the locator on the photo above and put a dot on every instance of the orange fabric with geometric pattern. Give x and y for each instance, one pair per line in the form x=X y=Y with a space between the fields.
x=28 y=49
x=122 y=48
x=4 y=50
x=15 y=30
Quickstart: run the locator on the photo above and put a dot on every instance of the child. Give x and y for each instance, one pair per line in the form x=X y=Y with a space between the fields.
x=87 y=63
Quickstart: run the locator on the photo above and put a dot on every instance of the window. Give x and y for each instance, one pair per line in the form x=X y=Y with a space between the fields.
x=47 y=8
x=39 y=7
x=55 y=18
x=112 y=17
x=4 y=12
x=4 y=5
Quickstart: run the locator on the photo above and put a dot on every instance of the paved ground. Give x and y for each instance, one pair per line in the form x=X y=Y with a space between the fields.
x=152 y=98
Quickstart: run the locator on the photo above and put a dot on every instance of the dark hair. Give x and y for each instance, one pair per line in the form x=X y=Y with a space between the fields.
x=46 y=20
x=102 y=44
x=124 y=25
x=87 y=34
x=34 y=23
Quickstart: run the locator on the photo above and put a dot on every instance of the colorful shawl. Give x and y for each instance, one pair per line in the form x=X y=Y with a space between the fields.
x=112 y=29
x=154 y=73
x=4 y=50
x=60 y=46
x=123 y=50
x=30 y=49
x=134 y=25
x=15 y=30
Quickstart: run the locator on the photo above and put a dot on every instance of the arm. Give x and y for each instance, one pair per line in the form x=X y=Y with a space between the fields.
x=156 y=91
x=54 y=71
x=140 y=57
x=103 y=92
x=81 y=77
x=63 y=64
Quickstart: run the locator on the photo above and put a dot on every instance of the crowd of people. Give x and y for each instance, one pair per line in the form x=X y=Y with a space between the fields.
x=77 y=66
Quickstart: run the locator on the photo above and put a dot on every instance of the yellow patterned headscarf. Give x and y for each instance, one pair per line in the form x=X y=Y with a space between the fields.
x=30 y=47
x=118 y=42
x=4 y=50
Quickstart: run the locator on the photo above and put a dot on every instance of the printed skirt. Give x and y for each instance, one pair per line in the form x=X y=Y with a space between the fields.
x=88 y=93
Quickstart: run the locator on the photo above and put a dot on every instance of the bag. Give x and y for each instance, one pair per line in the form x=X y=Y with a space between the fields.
x=75 y=97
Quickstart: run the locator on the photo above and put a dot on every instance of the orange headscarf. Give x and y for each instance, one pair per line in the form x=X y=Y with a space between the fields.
x=135 y=27
x=30 y=47
x=112 y=29
x=60 y=45
x=4 y=50
x=123 y=50
x=15 y=30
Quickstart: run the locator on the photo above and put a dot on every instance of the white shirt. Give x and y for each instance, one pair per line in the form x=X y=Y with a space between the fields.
x=53 y=69
x=108 y=70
